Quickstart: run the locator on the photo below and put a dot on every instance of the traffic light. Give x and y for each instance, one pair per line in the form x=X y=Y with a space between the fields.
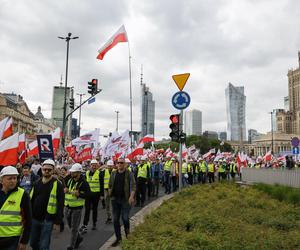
x=175 y=127
x=71 y=103
x=93 y=87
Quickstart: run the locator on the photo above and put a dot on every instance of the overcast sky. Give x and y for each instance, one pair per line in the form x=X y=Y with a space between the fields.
x=251 y=43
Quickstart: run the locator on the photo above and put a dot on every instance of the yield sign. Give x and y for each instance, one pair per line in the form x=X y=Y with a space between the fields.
x=180 y=80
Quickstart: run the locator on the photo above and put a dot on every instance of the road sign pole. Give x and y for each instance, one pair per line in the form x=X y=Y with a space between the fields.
x=180 y=152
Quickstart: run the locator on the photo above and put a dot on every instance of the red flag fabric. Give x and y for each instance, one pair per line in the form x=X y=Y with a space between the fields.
x=147 y=138
x=138 y=151
x=9 y=150
x=84 y=155
x=22 y=145
x=56 y=135
x=33 y=148
x=268 y=156
x=6 y=128
x=119 y=37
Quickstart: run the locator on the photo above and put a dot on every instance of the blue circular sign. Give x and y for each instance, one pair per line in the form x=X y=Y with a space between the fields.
x=295 y=141
x=181 y=100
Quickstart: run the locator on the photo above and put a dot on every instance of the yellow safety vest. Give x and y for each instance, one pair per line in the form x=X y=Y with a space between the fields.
x=52 y=202
x=142 y=171
x=221 y=169
x=93 y=181
x=184 y=168
x=211 y=168
x=189 y=168
x=70 y=199
x=203 y=167
x=167 y=166
x=106 y=178
x=232 y=168
x=10 y=215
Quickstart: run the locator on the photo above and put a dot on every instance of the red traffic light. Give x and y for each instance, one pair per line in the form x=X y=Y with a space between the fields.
x=95 y=81
x=174 y=118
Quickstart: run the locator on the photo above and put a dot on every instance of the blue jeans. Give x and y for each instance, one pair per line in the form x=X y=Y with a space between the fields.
x=120 y=207
x=41 y=234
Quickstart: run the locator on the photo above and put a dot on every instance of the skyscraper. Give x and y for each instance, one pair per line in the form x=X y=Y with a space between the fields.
x=193 y=122
x=58 y=108
x=147 y=110
x=236 y=113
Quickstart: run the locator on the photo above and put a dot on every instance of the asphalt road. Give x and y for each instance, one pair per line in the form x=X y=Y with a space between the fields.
x=93 y=240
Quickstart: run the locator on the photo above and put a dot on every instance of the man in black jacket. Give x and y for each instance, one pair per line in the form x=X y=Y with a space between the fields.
x=47 y=199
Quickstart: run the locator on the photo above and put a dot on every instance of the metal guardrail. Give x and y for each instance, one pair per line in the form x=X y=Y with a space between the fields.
x=272 y=176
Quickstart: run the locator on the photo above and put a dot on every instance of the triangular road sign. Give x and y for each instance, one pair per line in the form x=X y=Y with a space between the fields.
x=181 y=80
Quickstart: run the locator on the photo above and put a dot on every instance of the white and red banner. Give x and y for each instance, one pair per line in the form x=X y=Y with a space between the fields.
x=22 y=142
x=85 y=154
x=87 y=138
x=119 y=37
x=56 y=135
x=9 y=150
x=6 y=128
x=33 y=148
x=117 y=145
x=268 y=156
x=147 y=138
x=139 y=150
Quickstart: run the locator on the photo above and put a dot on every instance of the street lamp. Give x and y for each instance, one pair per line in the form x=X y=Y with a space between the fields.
x=117 y=119
x=272 y=145
x=67 y=39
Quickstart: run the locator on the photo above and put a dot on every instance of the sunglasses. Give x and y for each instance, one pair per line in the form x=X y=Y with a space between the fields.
x=47 y=169
x=121 y=162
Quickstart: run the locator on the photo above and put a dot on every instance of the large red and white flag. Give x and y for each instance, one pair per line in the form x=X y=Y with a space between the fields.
x=22 y=142
x=87 y=138
x=9 y=150
x=56 y=135
x=6 y=128
x=119 y=37
x=139 y=150
x=85 y=154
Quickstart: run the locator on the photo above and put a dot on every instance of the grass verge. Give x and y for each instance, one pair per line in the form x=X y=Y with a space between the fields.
x=220 y=216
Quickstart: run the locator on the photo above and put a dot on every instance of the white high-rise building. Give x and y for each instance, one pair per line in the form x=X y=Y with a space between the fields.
x=236 y=113
x=193 y=122
x=147 y=111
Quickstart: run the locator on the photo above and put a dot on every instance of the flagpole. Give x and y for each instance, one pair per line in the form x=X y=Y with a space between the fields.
x=130 y=96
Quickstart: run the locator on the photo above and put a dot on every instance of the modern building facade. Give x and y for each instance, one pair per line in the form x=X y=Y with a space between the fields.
x=236 y=113
x=58 y=107
x=252 y=135
x=147 y=111
x=289 y=121
x=13 y=105
x=193 y=122
x=223 y=136
x=274 y=118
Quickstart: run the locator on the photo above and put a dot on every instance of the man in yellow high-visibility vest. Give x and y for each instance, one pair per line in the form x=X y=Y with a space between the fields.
x=15 y=211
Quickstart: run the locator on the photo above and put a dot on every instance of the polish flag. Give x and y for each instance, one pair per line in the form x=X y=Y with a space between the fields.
x=184 y=151
x=139 y=150
x=119 y=37
x=268 y=156
x=22 y=157
x=22 y=145
x=56 y=135
x=147 y=138
x=85 y=154
x=209 y=154
x=6 y=128
x=9 y=150
x=33 y=148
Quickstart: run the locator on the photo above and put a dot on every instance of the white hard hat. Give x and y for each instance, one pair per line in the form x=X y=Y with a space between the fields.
x=94 y=161
x=186 y=176
x=76 y=168
x=173 y=159
x=127 y=160
x=144 y=158
x=9 y=170
x=110 y=163
x=49 y=162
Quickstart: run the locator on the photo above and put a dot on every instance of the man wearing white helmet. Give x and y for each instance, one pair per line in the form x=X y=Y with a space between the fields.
x=15 y=212
x=47 y=199
x=76 y=190
x=97 y=191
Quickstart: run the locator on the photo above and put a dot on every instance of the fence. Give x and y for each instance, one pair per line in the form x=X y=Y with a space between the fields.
x=272 y=176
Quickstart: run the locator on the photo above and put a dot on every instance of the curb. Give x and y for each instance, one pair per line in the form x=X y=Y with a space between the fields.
x=137 y=219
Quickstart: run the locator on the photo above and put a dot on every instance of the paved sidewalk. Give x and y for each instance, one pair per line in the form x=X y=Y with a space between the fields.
x=136 y=220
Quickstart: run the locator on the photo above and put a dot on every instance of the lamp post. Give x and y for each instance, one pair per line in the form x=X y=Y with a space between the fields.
x=272 y=144
x=67 y=39
x=80 y=100
x=117 y=120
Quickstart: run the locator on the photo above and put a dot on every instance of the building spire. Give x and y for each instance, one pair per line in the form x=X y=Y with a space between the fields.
x=61 y=83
